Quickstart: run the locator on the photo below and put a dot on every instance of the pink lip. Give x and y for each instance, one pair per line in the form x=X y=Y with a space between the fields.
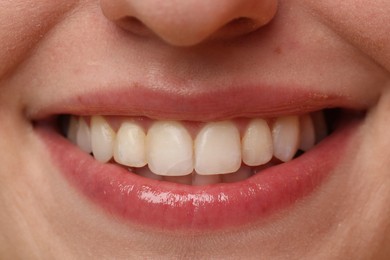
x=205 y=105
x=172 y=206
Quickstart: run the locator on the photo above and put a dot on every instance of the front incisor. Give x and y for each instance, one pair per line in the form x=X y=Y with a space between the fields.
x=218 y=149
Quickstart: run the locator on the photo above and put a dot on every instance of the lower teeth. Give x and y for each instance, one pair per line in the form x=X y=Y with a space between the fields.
x=195 y=179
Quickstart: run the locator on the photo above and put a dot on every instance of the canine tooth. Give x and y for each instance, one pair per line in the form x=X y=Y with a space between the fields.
x=200 y=180
x=257 y=148
x=102 y=139
x=321 y=129
x=307 y=135
x=218 y=149
x=83 y=136
x=169 y=149
x=72 y=129
x=285 y=134
x=129 y=147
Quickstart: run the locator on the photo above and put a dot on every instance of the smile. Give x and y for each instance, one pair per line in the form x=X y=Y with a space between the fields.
x=162 y=170
x=196 y=153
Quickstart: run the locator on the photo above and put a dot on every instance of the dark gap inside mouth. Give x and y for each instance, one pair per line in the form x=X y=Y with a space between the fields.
x=63 y=124
x=336 y=118
x=298 y=153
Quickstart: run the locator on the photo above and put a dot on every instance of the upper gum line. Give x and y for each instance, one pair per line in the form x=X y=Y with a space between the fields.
x=280 y=138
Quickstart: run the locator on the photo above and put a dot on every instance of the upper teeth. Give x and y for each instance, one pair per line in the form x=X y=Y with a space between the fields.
x=217 y=148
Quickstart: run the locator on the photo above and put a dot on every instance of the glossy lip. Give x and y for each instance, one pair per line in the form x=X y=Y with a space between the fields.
x=172 y=206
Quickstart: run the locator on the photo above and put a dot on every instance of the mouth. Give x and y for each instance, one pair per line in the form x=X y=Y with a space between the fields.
x=169 y=172
x=195 y=153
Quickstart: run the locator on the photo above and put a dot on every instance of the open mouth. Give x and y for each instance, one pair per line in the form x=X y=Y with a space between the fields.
x=198 y=175
x=196 y=153
x=198 y=161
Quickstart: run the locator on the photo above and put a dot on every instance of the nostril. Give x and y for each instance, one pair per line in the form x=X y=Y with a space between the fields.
x=236 y=27
x=242 y=22
x=134 y=25
x=189 y=23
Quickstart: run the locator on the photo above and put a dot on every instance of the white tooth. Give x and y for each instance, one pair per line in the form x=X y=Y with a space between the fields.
x=218 y=149
x=201 y=180
x=129 y=148
x=257 y=148
x=307 y=135
x=72 y=129
x=102 y=139
x=169 y=149
x=321 y=130
x=83 y=136
x=285 y=134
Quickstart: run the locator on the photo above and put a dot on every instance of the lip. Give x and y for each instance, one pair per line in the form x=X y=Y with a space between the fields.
x=205 y=105
x=172 y=206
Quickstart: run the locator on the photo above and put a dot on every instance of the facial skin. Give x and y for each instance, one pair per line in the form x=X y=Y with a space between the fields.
x=53 y=50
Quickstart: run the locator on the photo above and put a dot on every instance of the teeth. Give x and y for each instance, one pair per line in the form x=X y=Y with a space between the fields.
x=218 y=149
x=201 y=180
x=307 y=136
x=169 y=149
x=72 y=130
x=145 y=172
x=186 y=179
x=102 y=139
x=285 y=133
x=218 y=154
x=257 y=148
x=242 y=174
x=129 y=148
x=83 y=136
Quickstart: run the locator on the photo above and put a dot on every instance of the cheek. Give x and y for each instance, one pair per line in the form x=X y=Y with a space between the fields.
x=23 y=23
x=365 y=24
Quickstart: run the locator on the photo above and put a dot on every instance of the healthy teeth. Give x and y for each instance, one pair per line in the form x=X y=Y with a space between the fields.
x=257 y=148
x=129 y=148
x=200 y=180
x=145 y=172
x=102 y=139
x=83 y=136
x=169 y=149
x=72 y=130
x=186 y=179
x=211 y=154
x=285 y=133
x=218 y=149
x=242 y=174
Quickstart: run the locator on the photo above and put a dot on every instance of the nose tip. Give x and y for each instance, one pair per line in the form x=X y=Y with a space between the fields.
x=190 y=22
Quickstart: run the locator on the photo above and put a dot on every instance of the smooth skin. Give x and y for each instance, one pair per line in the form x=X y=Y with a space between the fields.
x=51 y=50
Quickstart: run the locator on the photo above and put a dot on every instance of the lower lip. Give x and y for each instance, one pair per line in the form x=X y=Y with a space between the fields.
x=174 y=206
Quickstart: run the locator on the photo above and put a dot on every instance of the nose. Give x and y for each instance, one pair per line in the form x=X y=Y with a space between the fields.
x=190 y=22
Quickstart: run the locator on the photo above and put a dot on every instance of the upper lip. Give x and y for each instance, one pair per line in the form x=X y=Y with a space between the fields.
x=117 y=191
x=214 y=104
